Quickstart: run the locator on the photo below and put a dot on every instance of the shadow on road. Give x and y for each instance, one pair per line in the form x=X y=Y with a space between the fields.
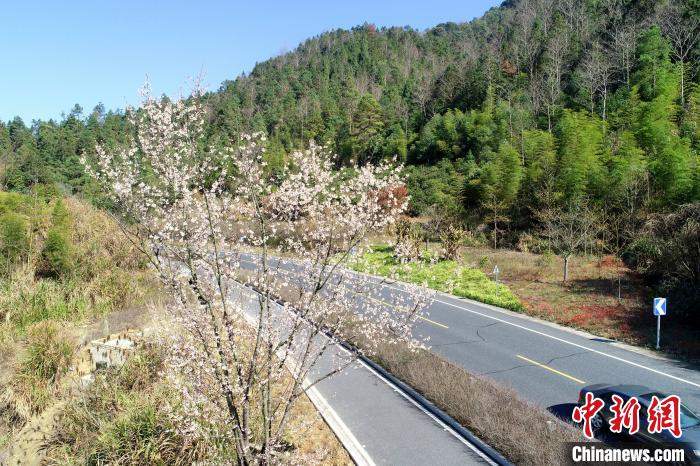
x=563 y=411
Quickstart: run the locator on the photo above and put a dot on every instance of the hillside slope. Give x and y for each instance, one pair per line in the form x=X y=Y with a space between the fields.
x=582 y=114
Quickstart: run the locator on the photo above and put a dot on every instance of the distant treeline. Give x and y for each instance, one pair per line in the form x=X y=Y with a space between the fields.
x=537 y=105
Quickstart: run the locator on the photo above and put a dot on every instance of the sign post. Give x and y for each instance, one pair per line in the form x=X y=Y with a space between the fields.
x=659 y=310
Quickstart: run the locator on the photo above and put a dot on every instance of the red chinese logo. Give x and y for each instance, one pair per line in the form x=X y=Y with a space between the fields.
x=587 y=412
x=625 y=415
x=665 y=415
x=662 y=414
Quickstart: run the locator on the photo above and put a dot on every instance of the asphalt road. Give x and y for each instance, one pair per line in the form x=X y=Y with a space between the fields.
x=544 y=363
x=375 y=421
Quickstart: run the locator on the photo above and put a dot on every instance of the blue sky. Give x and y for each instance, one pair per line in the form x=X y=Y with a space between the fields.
x=55 y=54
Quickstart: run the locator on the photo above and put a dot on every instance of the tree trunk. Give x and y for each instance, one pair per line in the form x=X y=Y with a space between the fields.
x=495 y=232
x=566 y=268
x=605 y=98
x=619 y=287
x=682 y=84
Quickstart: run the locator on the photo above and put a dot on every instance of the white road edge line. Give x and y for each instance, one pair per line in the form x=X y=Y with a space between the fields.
x=617 y=358
x=445 y=427
x=357 y=452
x=353 y=446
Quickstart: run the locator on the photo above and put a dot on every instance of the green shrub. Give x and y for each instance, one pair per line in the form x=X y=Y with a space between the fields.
x=60 y=215
x=452 y=237
x=49 y=351
x=532 y=243
x=546 y=259
x=57 y=258
x=447 y=276
x=56 y=255
x=11 y=202
x=46 y=191
x=14 y=238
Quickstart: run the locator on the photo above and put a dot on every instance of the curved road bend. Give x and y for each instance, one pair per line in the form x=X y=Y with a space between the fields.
x=380 y=424
x=544 y=363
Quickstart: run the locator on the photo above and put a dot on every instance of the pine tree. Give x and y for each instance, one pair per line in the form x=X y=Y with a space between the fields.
x=367 y=128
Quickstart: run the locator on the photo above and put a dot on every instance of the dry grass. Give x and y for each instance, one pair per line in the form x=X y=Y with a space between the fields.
x=118 y=420
x=523 y=432
x=108 y=274
x=124 y=417
x=314 y=442
x=40 y=362
x=39 y=315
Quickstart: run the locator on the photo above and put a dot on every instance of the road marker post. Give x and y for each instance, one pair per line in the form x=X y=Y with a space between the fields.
x=496 y=272
x=659 y=309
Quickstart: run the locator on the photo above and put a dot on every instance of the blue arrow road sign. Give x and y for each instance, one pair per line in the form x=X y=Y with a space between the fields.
x=659 y=306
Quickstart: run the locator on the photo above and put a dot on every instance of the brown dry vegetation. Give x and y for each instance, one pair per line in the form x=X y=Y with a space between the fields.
x=524 y=433
x=106 y=274
x=122 y=418
x=46 y=321
x=43 y=318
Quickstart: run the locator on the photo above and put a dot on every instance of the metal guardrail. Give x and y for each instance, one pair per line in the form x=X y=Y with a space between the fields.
x=465 y=433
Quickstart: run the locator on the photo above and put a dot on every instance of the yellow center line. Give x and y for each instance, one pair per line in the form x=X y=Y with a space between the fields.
x=550 y=369
x=433 y=322
x=386 y=303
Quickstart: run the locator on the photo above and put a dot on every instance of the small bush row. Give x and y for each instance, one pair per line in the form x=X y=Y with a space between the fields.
x=442 y=275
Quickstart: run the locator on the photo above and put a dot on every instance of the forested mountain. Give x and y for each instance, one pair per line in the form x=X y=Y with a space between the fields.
x=539 y=104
